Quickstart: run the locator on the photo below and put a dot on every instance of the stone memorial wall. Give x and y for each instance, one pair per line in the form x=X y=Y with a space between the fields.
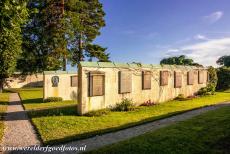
x=103 y=84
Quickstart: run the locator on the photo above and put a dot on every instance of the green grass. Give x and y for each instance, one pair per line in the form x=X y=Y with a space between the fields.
x=4 y=98
x=56 y=126
x=206 y=133
x=32 y=98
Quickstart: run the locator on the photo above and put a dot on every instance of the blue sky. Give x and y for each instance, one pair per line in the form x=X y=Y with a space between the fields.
x=148 y=30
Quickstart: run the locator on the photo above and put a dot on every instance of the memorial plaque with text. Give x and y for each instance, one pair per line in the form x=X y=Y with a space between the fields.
x=125 y=82
x=96 y=84
x=74 y=81
x=177 y=79
x=164 y=78
x=200 y=77
x=190 y=78
x=146 y=80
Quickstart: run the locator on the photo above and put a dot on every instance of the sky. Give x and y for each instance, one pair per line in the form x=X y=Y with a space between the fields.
x=148 y=30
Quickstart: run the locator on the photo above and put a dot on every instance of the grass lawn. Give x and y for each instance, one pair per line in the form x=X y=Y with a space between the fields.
x=4 y=98
x=65 y=125
x=206 y=133
x=32 y=99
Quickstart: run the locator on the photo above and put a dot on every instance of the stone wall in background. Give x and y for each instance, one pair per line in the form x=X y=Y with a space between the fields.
x=102 y=85
x=24 y=81
x=60 y=84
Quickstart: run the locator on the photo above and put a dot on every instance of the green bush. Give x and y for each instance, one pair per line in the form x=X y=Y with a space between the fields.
x=211 y=86
x=53 y=99
x=223 y=74
x=125 y=105
x=97 y=113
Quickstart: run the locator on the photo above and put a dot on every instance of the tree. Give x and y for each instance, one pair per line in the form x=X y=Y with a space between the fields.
x=223 y=74
x=60 y=30
x=180 y=60
x=224 y=60
x=86 y=19
x=12 y=15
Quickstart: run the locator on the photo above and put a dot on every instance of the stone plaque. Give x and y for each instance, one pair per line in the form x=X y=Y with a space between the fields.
x=190 y=78
x=164 y=78
x=96 y=84
x=200 y=77
x=125 y=82
x=146 y=80
x=177 y=79
x=55 y=81
x=74 y=81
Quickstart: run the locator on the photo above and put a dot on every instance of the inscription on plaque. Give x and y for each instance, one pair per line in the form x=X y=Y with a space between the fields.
x=96 y=84
x=164 y=78
x=74 y=81
x=177 y=79
x=190 y=78
x=146 y=80
x=125 y=82
x=200 y=77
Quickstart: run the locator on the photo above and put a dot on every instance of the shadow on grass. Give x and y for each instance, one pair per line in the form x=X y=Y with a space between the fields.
x=32 y=101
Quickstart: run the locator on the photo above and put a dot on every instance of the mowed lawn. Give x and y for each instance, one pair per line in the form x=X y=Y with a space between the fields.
x=32 y=98
x=4 y=99
x=64 y=125
x=206 y=133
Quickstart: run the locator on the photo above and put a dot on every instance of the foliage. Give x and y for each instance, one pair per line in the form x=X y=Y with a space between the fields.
x=180 y=60
x=212 y=83
x=224 y=60
x=148 y=103
x=53 y=99
x=223 y=74
x=57 y=32
x=98 y=113
x=13 y=14
x=125 y=105
x=206 y=133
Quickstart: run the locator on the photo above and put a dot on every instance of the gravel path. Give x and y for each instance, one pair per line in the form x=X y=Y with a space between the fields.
x=19 y=132
x=109 y=138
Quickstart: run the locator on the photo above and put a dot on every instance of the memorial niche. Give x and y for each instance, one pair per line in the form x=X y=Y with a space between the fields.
x=146 y=80
x=55 y=81
x=125 y=82
x=164 y=78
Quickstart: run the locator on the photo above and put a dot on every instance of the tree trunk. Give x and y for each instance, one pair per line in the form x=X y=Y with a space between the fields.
x=64 y=63
x=80 y=49
x=1 y=85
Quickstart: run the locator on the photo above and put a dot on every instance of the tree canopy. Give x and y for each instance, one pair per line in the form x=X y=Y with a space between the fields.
x=13 y=14
x=180 y=60
x=60 y=30
x=224 y=61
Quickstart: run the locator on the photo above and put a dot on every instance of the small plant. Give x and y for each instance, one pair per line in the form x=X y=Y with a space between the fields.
x=181 y=97
x=98 y=113
x=125 y=105
x=53 y=99
x=204 y=91
x=148 y=103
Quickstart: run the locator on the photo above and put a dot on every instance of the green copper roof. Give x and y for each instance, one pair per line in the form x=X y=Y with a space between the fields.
x=133 y=65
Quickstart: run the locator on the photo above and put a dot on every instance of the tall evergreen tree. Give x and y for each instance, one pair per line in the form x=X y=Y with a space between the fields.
x=60 y=29
x=13 y=14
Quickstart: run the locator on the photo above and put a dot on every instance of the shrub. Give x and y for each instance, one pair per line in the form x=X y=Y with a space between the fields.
x=148 y=103
x=211 y=86
x=53 y=99
x=125 y=105
x=223 y=74
x=97 y=113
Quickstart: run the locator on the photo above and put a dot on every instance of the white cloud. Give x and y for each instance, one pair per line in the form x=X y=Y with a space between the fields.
x=200 y=37
x=205 y=53
x=214 y=17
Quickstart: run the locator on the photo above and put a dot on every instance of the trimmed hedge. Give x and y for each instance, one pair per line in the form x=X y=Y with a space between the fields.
x=53 y=99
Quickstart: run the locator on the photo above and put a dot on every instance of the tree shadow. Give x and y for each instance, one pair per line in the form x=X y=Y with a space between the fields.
x=33 y=101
